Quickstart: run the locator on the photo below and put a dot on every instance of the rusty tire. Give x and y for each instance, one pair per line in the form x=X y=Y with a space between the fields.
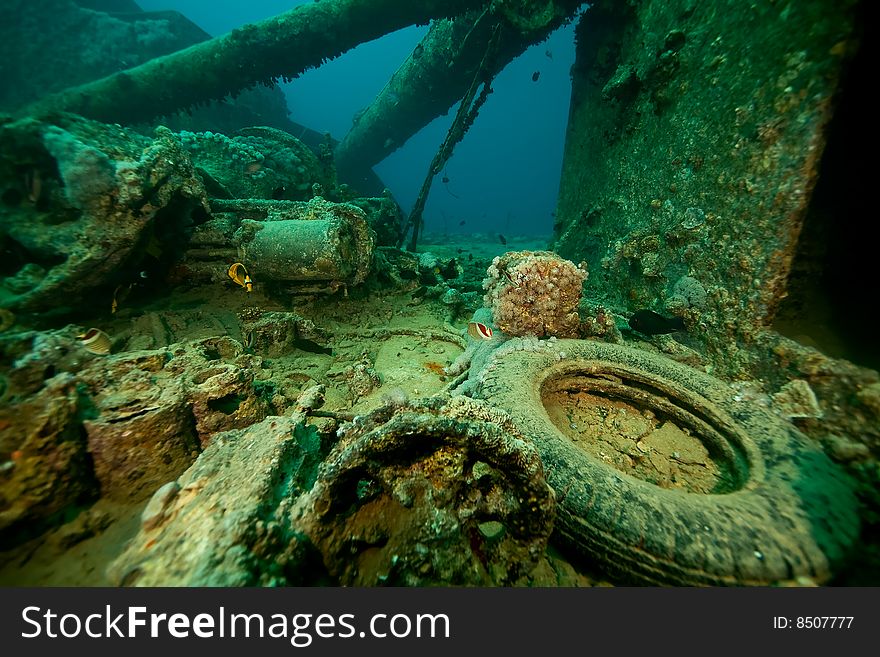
x=792 y=514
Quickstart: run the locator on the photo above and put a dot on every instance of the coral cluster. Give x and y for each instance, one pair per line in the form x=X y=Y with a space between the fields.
x=535 y=293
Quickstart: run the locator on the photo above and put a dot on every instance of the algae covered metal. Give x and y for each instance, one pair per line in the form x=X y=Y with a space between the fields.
x=693 y=145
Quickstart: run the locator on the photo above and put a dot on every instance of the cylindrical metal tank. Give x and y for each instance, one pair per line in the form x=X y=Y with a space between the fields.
x=317 y=244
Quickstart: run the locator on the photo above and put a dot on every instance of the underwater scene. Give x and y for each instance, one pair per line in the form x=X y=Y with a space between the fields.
x=527 y=293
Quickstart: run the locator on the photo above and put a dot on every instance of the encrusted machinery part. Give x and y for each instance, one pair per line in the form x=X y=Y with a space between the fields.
x=221 y=522
x=437 y=492
x=86 y=204
x=313 y=243
x=142 y=432
x=256 y=162
x=785 y=512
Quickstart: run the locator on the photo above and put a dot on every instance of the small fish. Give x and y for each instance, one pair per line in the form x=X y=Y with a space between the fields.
x=548 y=53
x=502 y=239
x=95 y=341
x=119 y=295
x=239 y=273
x=535 y=76
x=479 y=331
x=651 y=323
x=461 y=223
x=445 y=179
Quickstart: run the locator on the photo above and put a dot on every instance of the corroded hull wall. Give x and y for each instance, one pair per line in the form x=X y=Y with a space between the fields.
x=694 y=138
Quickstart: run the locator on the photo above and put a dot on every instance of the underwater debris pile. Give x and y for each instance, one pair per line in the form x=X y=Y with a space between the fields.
x=439 y=491
x=535 y=293
x=663 y=475
x=88 y=207
x=42 y=429
x=115 y=426
x=223 y=521
x=100 y=189
x=269 y=548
